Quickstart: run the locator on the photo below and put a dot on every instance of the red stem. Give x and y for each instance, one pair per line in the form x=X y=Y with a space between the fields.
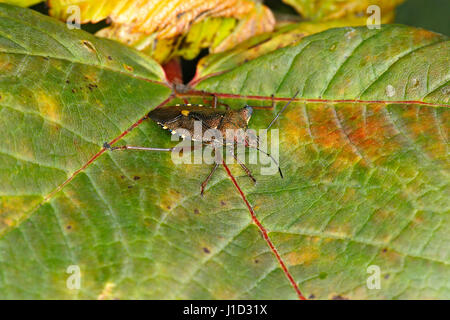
x=194 y=93
x=265 y=235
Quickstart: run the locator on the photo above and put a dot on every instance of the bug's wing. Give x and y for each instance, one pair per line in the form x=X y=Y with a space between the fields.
x=170 y=114
x=179 y=119
x=165 y=115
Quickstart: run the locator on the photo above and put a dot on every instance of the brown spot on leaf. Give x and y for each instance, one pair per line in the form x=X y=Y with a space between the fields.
x=91 y=86
x=136 y=178
x=206 y=250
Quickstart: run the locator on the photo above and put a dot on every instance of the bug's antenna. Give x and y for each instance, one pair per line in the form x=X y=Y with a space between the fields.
x=281 y=111
x=270 y=156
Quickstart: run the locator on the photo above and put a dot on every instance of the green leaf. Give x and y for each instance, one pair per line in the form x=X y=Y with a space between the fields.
x=365 y=155
x=348 y=63
x=365 y=181
x=285 y=35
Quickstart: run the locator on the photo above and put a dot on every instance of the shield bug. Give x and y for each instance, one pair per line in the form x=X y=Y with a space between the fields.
x=182 y=118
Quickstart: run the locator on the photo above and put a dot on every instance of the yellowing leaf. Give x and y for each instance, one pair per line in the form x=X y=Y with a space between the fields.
x=169 y=28
x=218 y=34
x=203 y=34
x=334 y=9
x=258 y=21
x=168 y=18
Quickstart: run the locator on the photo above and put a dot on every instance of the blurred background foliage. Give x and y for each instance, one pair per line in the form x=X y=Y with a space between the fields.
x=230 y=31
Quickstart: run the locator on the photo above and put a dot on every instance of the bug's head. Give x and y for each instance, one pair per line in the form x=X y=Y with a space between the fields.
x=246 y=113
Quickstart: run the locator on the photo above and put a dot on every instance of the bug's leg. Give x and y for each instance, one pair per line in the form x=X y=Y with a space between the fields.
x=227 y=107
x=126 y=147
x=219 y=160
x=108 y=146
x=272 y=105
x=216 y=103
x=244 y=167
x=204 y=183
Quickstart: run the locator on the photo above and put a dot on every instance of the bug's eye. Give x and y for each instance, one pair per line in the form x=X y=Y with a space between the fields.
x=247 y=112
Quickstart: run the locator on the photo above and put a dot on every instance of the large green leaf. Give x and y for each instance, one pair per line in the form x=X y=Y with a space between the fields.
x=367 y=152
x=366 y=179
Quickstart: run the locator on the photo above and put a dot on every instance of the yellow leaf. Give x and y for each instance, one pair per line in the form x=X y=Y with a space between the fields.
x=22 y=3
x=168 y=18
x=168 y=28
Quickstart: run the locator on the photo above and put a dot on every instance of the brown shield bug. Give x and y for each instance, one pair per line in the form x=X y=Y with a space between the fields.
x=182 y=118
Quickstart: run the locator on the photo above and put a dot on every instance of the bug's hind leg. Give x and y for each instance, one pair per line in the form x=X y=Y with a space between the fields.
x=108 y=147
x=218 y=160
x=204 y=183
x=244 y=167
